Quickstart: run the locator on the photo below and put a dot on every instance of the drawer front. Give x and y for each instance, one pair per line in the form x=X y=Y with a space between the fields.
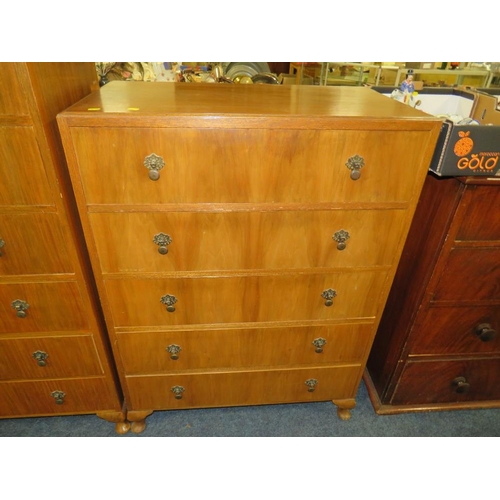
x=482 y=204
x=39 y=397
x=448 y=382
x=12 y=99
x=457 y=330
x=244 y=299
x=242 y=388
x=33 y=244
x=271 y=240
x=160 y=352
x=233 y=166
x=51 y=307
x=470 y=274
x=48 y=357
x=22 y=175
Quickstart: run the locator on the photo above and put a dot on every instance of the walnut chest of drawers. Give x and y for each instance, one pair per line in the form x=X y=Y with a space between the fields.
x=54 y=355
x=243 y=238
x=438 y=346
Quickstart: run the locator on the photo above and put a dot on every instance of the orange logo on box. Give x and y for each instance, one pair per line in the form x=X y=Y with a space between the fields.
x=482 y=161
x=464 y=145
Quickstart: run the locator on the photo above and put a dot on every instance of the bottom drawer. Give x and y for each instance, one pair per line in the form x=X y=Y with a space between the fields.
x=448 y=382
x=242 y=388
x=23 y=399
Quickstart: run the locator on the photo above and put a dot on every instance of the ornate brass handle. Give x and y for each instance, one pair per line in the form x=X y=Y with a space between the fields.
x=485 y=332
x=41 y=357
x=311 y=384
x=20 y=306
x=319 y=343
x=58 y=396
x=174 y=350
x=329 y=295
x=154 y=164
x=178 y=390
x=169 y=301
x=341 y=237
x=2 y=244
x=162 y=240
x=461 y=385
x=355 y=164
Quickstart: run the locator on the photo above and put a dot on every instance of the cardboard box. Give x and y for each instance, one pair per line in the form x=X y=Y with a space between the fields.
x=463 y=150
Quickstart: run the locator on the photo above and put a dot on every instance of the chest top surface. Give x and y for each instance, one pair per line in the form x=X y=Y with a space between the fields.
x=137 y=100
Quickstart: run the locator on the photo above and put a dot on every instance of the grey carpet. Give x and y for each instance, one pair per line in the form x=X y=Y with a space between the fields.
x=290 y=420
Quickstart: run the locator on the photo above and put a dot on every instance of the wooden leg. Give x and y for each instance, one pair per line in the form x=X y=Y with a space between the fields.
x=118 y=418
x=138 y=420
x=344 y=407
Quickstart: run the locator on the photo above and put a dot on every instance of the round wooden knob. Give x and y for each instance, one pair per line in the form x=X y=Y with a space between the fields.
x=461 y=385
x=485 y=332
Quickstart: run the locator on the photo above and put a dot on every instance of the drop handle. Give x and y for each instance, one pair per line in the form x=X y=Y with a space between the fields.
x=58 y=396
x=154 y=164
x=355 y=164
x=460 y=385
x=311 y=384
x=20 y=306
x=340 y=237
x=178 y=390
x=329 y=295
x=485 y=332
x=2 y=244
x=40 y=357
x=174 y=350
x=319 y=343
x=169 y=301
x=162 y=240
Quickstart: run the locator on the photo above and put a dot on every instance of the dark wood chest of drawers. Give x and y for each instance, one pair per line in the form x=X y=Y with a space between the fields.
x=235 y=234
x=438 y=346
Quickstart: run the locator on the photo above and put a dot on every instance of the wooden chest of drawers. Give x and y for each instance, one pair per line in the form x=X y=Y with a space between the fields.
x=243 y=238
x=438 y=345
x=54 y=354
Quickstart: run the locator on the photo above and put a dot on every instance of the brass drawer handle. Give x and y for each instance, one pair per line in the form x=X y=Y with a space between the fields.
x=174 y=350
x=154 y=164
x=341 y=237
x=311 y=384
x=319 y=343
x=41 y=357
x=169 y=301
x=2 y=244
x=329 y=295
x=20 y=306
x=485 y=332
x=355 y=164
x=178 y=390
x=460 y=385
x=162 y=240
x=58 y=396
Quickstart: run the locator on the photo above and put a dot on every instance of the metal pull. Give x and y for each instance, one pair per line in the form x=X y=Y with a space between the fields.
x=341 y=237
x=41 y=357
x=2 y=244
x=20 y=306
x=58 y=396
x=174 y=350
x=461 y=385
x=169 y=301
x=162 y=240
x=485 y=332
x=154 y=164
x=311 y=384
x=319 y=343
x=177 y=390
x=355 y=164
x=329 y=295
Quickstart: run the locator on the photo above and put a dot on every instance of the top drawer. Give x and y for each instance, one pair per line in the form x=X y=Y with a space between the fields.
x=247 y=165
